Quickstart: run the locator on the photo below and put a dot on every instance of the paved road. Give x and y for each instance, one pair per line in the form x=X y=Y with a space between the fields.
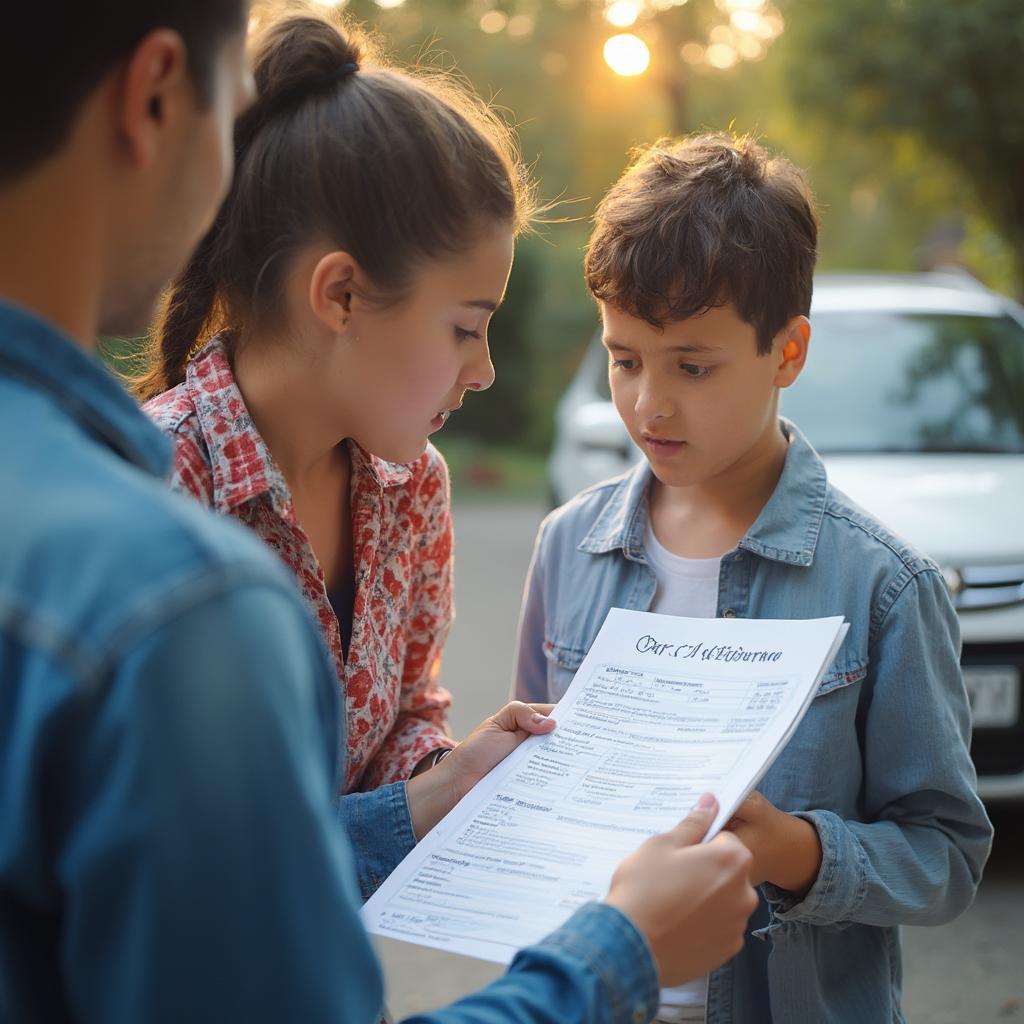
x=969 y=971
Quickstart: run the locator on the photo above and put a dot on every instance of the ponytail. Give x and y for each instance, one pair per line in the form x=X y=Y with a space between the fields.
x=189 y=313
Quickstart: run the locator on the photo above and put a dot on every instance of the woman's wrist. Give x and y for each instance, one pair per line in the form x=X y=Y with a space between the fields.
x=431 y=794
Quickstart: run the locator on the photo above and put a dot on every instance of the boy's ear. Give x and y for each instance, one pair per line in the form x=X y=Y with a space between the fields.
x=154 y=88
x=334 y=287
x=789 y=349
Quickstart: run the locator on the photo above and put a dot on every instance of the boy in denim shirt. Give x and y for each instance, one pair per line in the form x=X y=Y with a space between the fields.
x=701 y=262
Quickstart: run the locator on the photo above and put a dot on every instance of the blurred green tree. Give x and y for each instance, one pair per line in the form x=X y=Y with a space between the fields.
x=950 y=74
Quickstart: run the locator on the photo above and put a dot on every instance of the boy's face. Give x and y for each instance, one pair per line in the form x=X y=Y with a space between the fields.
x=695 y=396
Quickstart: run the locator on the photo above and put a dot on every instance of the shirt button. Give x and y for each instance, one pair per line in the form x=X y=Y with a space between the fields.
x=639 y=1015
x=729 y=613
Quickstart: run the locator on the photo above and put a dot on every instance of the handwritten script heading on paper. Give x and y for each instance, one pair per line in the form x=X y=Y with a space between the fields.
x=647 y=644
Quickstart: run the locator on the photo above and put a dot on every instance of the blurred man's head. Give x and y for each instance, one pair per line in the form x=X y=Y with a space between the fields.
x=127 y=106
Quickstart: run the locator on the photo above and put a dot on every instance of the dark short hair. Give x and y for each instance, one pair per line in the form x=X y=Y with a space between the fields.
x=701 y=221
x=397 y=168
x=53 y=55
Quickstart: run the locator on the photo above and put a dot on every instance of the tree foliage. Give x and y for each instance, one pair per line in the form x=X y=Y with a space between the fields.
x=950 y=73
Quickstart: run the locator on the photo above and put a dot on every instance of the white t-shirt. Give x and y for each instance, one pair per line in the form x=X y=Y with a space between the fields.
x=687 y=587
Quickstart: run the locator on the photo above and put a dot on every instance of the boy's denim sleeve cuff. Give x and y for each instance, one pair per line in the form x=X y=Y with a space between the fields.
x=607 y=945
x=841 y=884
x=379 y=827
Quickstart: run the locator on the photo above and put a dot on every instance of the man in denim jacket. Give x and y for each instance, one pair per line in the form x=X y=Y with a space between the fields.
x=869 y=818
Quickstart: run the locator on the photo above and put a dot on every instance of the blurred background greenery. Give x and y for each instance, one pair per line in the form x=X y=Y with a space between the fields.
x=906 y=115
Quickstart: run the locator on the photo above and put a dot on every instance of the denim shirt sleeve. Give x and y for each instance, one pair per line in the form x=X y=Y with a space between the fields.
x=597 y=968
x=916 y=857
x=530 y=681
x=202 y=870
x=379 y=827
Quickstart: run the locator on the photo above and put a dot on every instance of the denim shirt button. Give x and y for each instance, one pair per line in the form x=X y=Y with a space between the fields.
x=729 y=613
x=640 y=1015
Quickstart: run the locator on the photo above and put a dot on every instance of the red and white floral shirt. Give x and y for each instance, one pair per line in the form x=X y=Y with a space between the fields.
x=401 y=551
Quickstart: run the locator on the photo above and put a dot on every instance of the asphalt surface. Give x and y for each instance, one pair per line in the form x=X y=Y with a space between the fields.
x=969 y=971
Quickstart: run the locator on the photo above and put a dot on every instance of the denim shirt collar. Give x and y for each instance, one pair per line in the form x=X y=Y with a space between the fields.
x=786 y=530
x=38 y=354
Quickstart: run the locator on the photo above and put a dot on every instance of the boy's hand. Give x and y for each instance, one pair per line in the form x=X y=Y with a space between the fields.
x=786 y=849
x=691 y=902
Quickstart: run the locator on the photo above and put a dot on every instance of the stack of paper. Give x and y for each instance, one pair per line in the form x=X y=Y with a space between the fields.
x=661 y=710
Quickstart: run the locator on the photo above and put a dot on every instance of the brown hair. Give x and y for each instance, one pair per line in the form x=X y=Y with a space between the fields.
x=396 y=168
x=701 y=221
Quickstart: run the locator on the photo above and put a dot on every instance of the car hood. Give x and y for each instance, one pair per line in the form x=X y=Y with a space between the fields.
x=959 y=509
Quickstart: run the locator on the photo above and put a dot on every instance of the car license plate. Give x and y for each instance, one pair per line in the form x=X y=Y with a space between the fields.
x=994 y=693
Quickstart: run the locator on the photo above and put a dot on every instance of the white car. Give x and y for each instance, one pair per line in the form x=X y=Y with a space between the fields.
x=914 y=396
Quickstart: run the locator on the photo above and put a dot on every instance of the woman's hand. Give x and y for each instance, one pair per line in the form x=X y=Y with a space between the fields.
x=785 y=848
x=433 y=793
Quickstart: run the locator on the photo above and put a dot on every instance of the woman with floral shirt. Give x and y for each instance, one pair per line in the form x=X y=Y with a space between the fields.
x=330 y=321
x=389 y=651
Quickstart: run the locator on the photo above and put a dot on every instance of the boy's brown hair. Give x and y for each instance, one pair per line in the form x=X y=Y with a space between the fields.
x=701 y=221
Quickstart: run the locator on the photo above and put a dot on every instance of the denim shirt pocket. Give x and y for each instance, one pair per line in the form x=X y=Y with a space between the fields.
x=563 y=661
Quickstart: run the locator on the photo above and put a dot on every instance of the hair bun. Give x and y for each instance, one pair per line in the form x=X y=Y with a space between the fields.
x=298 y=56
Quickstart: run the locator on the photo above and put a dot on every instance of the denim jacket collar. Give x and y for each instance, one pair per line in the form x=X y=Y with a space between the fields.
x=785 y=531
x=39 y=354
x=623 y=519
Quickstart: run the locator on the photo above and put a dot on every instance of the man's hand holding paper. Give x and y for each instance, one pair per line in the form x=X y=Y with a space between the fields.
x=691 y=901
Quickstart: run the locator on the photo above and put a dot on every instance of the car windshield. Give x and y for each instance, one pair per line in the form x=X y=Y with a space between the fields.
x=908 y=382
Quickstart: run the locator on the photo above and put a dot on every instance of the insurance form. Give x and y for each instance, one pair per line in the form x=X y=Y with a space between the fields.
x=661 y=710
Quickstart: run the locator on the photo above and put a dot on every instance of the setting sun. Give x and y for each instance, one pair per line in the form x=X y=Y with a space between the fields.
x=627 y=54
